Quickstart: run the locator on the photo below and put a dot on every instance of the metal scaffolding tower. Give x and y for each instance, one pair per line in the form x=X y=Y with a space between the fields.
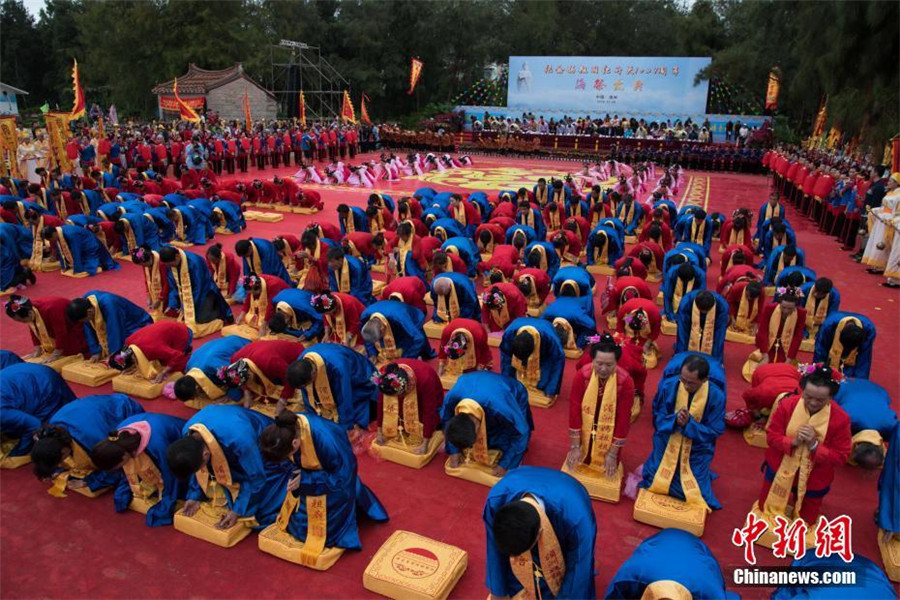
x=297 y=66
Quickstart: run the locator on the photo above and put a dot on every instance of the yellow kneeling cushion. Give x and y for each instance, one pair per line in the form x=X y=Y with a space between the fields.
x=412 y=567
x=202 y=525
x=88 y=373
x=58 y=364
x=396 y=452
x=540 y=399
x=244 y=331
x=135 y=385
x=597 y=484
x=890 y=555
x=274 y=541
x=665 y=511
x=434 y=330
x=472 y=471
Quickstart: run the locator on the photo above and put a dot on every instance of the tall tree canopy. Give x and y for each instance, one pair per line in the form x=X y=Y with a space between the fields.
x=845 y=51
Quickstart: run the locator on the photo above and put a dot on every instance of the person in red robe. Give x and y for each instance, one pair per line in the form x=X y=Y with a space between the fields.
x=504 y=259
x=631 y=266
x=603 y=366
x=488 y=236
x=309 y=199
x=737 y=273
x=402 y=377
x=579 y=226
x=568 y=246
x=311 y=262
x=454 y=344
x=780 y=319
x=745 y=304
x=534 y=284
x=638 y=324
x=465 y=213
x=168 y=342
x=225 y=269
x=271 y=357
x=410 y=290
x=769 y=382
x=264 y=192
x=501 y=304
x=553 y=217
x=409 y=208
x=340 y=315
x=734 y=255
x=650 y=254
x=819 y=441
x=502 y=221
x=624 y=289
x=364 y=245
x=48 y=326
x=448 y=262
x=658 y=218
x=254 y=285
x=735 y=231
x=288 y=191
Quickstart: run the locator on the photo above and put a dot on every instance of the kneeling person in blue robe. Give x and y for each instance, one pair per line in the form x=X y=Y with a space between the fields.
x=349 y=275
x=540 y=530
x=29 y=395
x=108 y=320
x=845 y=340
x=79 y=250
x=702 y=321
x=392 y=330
x=200 y=383
x=454 y=297
x=532 y=352
x=295 y=315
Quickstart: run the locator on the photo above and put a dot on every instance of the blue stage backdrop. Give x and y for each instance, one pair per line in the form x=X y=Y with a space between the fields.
x=597 y=85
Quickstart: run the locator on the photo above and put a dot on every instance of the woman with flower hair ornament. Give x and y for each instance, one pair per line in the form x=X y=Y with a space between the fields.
x=155 y=351
x=502 y=304
x=54 y=336
x=341 y=315
x=780 y=330
x=156 y=280
x=463 y=348
x=409 y=405
x=259 y=369
x=258 y=308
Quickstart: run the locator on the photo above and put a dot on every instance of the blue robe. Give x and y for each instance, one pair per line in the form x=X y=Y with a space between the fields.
x=568 y=508
x=164 y=429
x=83 y=220
x=614 y=224
x=521 y=230
x=768 y=243
x=825 y=337
x=89 y=255
x=469 y=308
x=671 y=280
x=263 y=485
x=668 y=206
x=109 y=211
x=175 y=199
x=407 y=325
x=437 y=212
x=684 y=229
x=691 y=257
x=672 y=370
x=539 y=227
x=574 y=205
x=360 y=220
x=350 y=378
x=300 y=302
x=8 y=359
x=808 y=275
x=94 y=200
x=480 y=200
x=196 y=226
x=215 y=354
x=424 y=193
x=772 y=264
x=696 y=249
x=834 y=300
x=871 y=580
x=29 y=395
x=683 y=320
x=704 y=435
x=441 y=199
x=203 y=209
x=549 y=252
x=553 y=357
x=449 y=228
x=575 y=312
x=345 y=494
x=145 y=232
x=670 y=555
x=466 y=250
x=388 y=202
x=360 y=280
x=582 y=279
x=122 y=318
x=868 y=405
x=203 y=286
x=137 y=207
x=507 y=413
x=613 y=243
x=231 y=212
x=15 y=246
x=165 y=225
x=761 y=217
x=269 y=260
x=636 y=213
x=888 y=514
x=89 y=420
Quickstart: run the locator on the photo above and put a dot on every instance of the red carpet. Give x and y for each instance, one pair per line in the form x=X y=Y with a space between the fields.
x=80 y=548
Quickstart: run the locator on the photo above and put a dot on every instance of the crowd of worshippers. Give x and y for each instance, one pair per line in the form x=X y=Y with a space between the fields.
x=847 y=199
x=320 y=353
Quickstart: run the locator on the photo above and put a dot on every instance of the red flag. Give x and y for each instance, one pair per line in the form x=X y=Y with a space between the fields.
x=363 y=111
x=302 y=109
x=248 y=118
x=186 y=112
x=347 y=112
x=78 y=106
x=415 y=71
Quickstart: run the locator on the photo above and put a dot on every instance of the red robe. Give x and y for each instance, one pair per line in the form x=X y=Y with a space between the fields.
x=165 y=341
x=479 y=336
x=505 y=258
x=516 y=306
x=497 y=233
x=636 y=267
x=541 y=281
x=352 y=308
x=267 y=193
x=653 y=247
x=457 y=264
x=768 y=382
x=624 y=399
x=650 y=309
x=288 y=191
x=763 y=342
x=553 y=220
x=229 y=196
x=273 y=286
x=504 y=209
x=362 y=242
x=429 y=395
x=832 y=451
x=472 y=214
x=411 y=290
x=273 y=357
x=329 y=231
x=310 y=199
x=666 y=237
x=232 y=270
x=725 y=259
x=503 y=222
x=584 y=228
x=68 y=337
x=631 y=285
x=733 y=297
x=741 y=237
x=738 y=274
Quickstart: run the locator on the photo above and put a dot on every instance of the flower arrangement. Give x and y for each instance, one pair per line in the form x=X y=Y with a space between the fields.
x=392 y=383
x=456 y=347
x=636 y=320
x=789 y=291
x=233 y=375
x=323 y=302
x=251 y=282
x=494 y=299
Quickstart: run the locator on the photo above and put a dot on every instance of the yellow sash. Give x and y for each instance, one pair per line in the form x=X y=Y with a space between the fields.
x=815 y=315
x=212 y=391
x=144 y=478
x=39 y=329
x=541 y=195
x=680 y=291
x=501 y=315
x=64 y=251
x=147 y=368
x=629 y=211
x=553 y=564
x=666 y=589
x=530 y=372
x=468 y=360
x=256 y=312
x=99 y=327
x=288 y=312
x=570 y=340
x=319 y=391
x=459 y=213
x=770 y=211
x=221 y=471
x=746 y=312
x=179 y=225
x=255 y=262
x=129 y=235
x=152 y=277
x=262 y=386
x=349 y=225
x=186 y=293
x=316 y=506
x=787 y=332
x=702 y=341
x=37 y=244
x=344 y=278
x=798 y=463
x=479 y=450
x=404 y=248
x=388 y=346
x=335 y=320
x=408 y=429
x=598 y=421
x=448 y=306
x=678 y=452
x=698 y=231
x=835 y=354
x=78 y=465
x=734 y=239
x=554 y=219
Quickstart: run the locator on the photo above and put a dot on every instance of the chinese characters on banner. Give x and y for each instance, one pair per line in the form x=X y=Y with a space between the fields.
x=831 y=537
x=57 y=133
x=9 y=147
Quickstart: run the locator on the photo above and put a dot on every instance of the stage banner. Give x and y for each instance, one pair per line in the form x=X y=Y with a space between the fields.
x=9 y=147
x=596 y=85
x=57 y=136
x=170 y=103
x=772 y=89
